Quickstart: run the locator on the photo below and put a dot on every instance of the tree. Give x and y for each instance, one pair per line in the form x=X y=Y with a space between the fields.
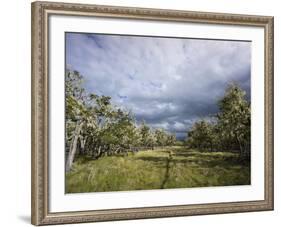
x=231 y=127
x=151 y=139
x=161 y=137
x=144 y=131
x=95 y=127
x=75 y=113
x=171 y=139
x=87 y=118
x=201 y=135
x=234 y=117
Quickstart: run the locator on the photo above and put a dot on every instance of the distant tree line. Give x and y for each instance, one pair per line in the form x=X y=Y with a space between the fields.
x=229 y=129
x=97 y=128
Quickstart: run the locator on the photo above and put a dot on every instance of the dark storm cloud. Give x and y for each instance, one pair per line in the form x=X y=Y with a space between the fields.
x=168 y=83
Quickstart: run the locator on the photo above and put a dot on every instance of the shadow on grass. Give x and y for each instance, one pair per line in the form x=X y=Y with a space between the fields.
x=159 y=160
x=167 y=171
x=201 y=159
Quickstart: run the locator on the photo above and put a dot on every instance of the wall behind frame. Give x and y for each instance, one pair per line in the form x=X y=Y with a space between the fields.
x=15 y=111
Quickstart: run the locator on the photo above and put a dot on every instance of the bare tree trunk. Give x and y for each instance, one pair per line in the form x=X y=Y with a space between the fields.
x=83 y=144
x=115 y=152
x=98 y=153
x=73 y=146
x=240 y=145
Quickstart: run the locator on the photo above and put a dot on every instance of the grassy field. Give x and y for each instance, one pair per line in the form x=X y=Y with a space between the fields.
x=174 y=167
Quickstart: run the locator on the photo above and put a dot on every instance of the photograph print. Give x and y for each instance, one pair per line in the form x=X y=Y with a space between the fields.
x=146 y=112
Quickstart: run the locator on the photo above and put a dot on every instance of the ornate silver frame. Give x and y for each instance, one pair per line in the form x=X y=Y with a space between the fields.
x=40 y=205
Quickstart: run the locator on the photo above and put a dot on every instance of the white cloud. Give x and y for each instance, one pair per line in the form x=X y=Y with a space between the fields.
x=166 y=81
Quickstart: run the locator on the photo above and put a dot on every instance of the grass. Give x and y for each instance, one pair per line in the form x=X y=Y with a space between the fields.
x=174 y=167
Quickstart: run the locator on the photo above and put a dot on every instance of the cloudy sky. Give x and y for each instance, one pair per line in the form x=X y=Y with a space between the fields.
x=167 y=82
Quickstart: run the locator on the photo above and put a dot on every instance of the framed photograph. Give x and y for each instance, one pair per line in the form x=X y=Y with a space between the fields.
x=149 y=113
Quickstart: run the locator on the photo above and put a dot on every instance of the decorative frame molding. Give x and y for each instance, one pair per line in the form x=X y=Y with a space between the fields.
x=40 y=98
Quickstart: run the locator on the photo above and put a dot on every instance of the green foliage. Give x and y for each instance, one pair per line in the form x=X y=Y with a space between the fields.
x=231 y=128
x=95 y=128
x=201 y=135
x=234 y=118
x=106 y=129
